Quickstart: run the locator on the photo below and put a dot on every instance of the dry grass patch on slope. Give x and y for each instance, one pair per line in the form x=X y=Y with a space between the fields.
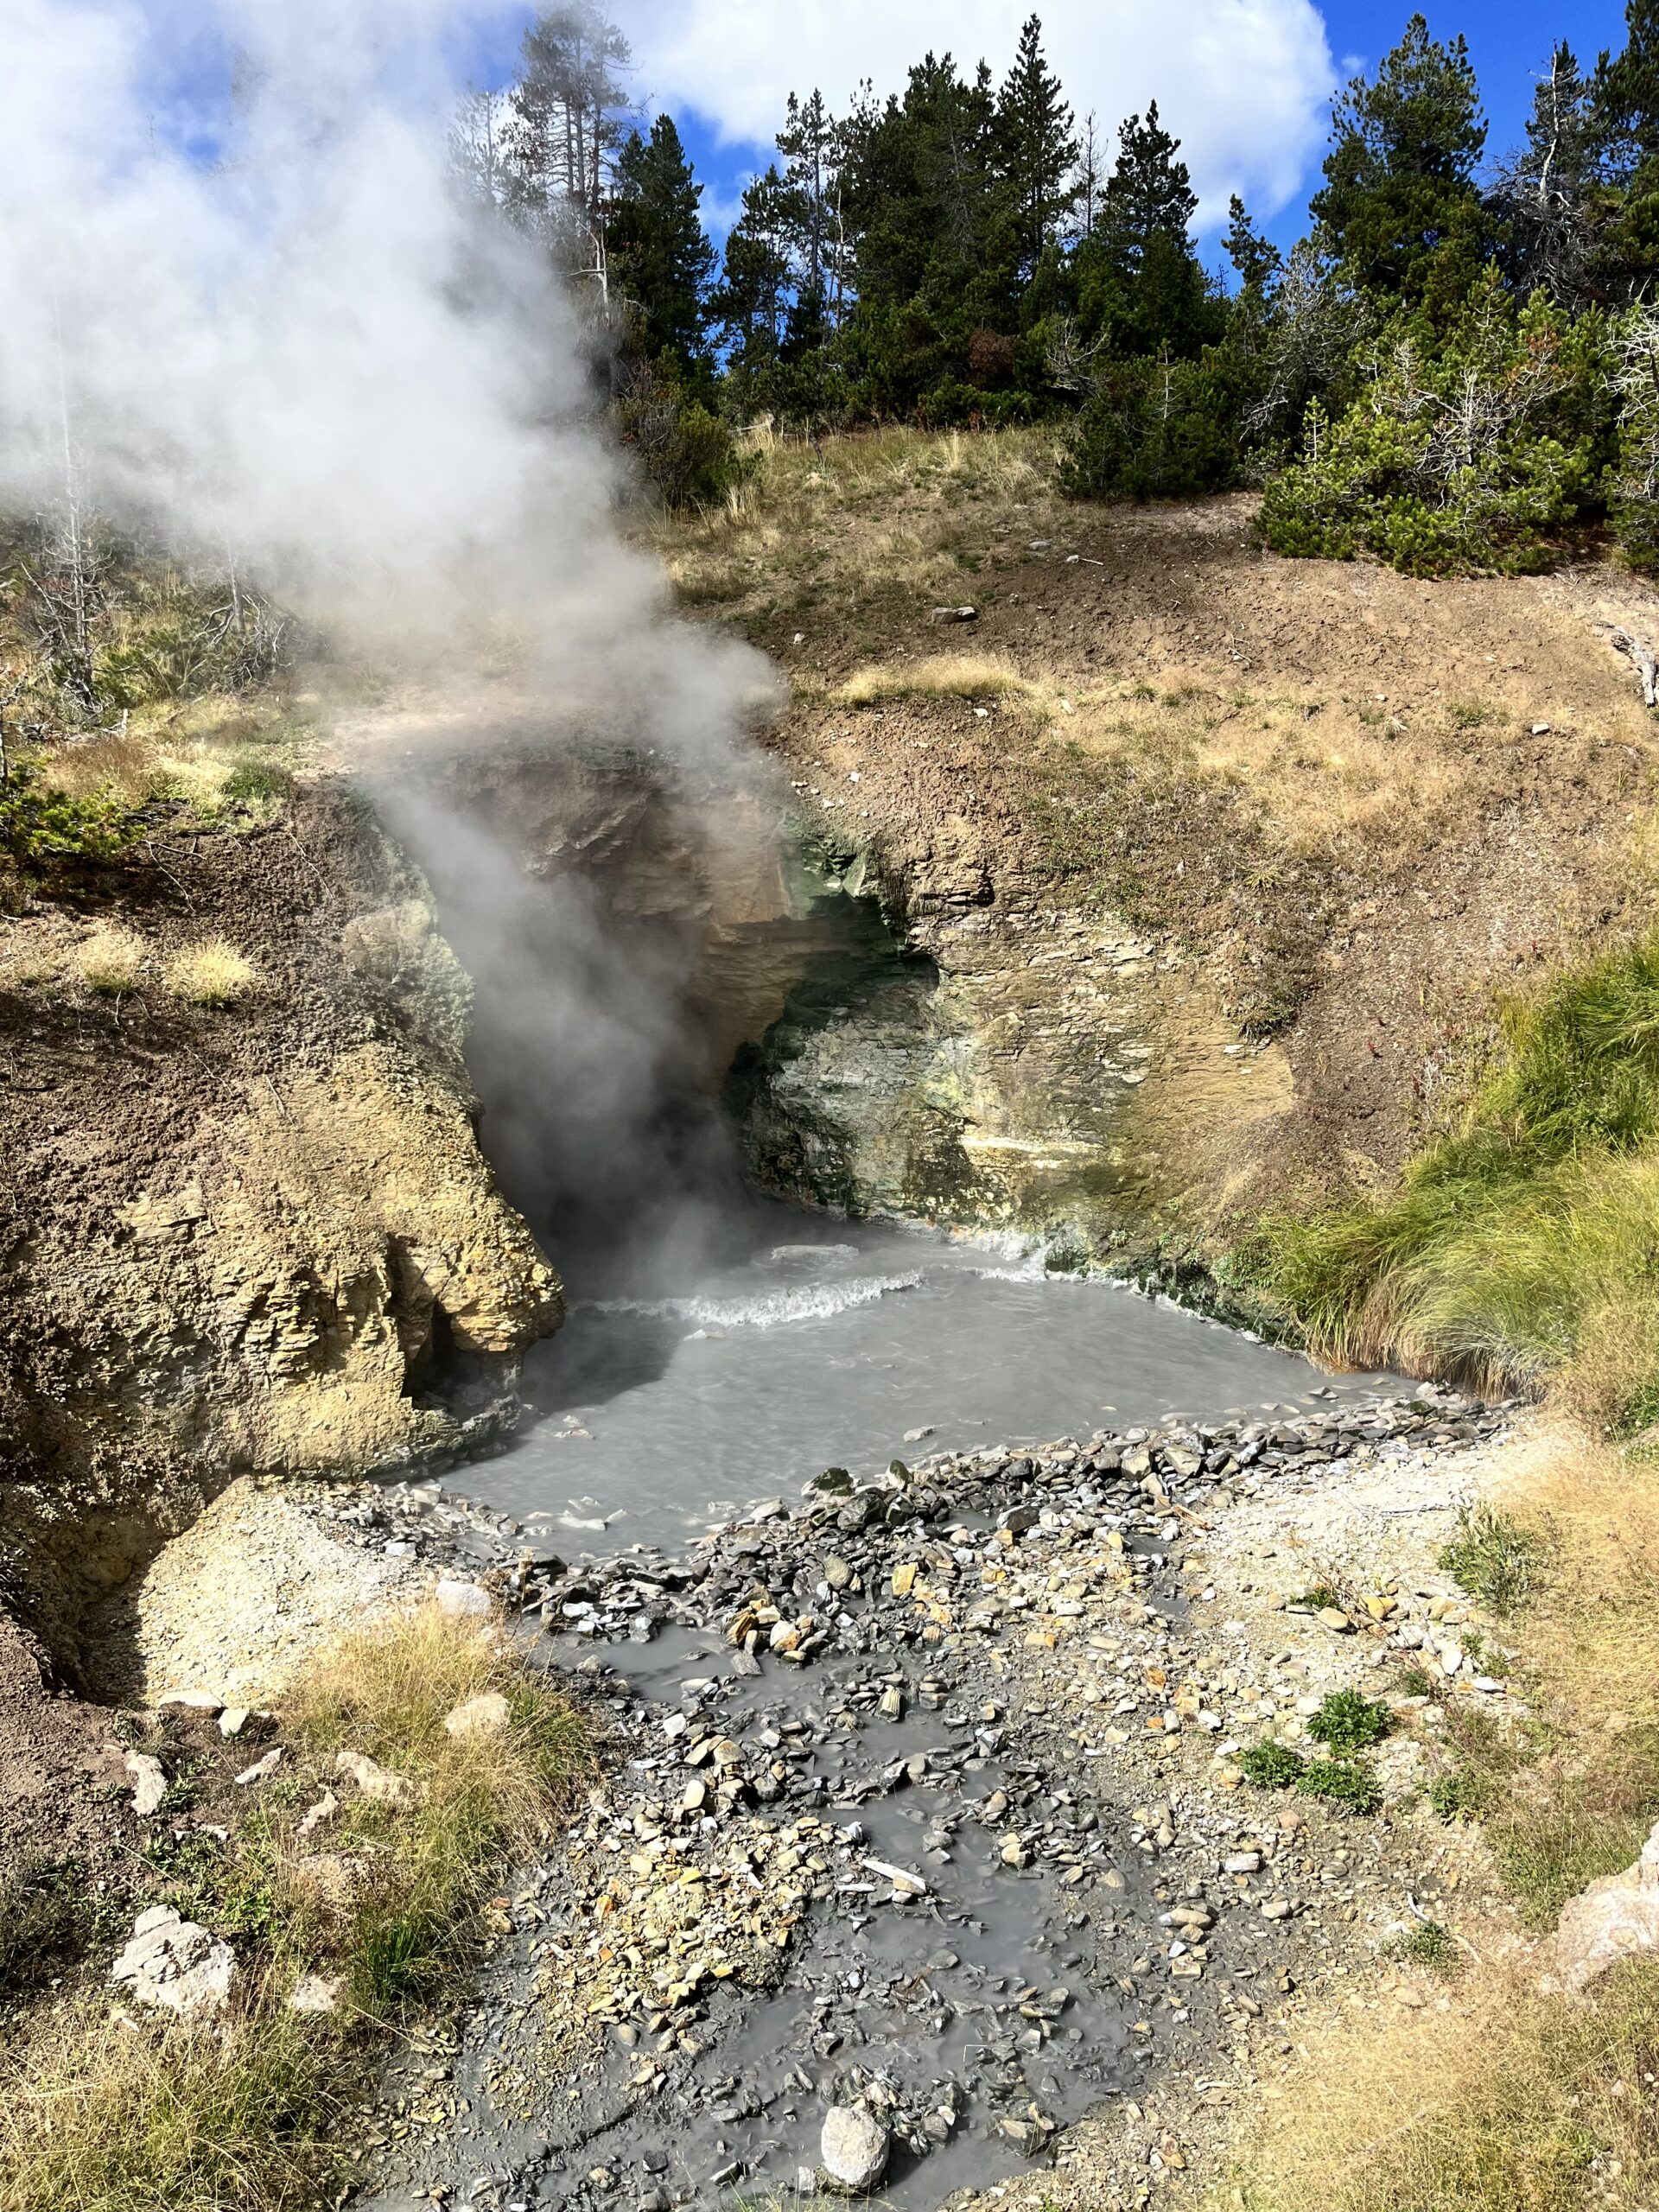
x=855 y=514
x=381 y=1896
x=1503 y=2101
x=941 y=675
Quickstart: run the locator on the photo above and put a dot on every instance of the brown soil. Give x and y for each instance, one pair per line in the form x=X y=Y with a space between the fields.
x=226 y=1235
x=1354 y=806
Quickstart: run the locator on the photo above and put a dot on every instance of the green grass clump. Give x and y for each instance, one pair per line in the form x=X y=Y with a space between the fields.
x=1348 y=1722
x=1495 y=1558
x=1429 y=1944
x=1521 y=1248
x=1343 y=1781
x=40 y=825
x=1272 y=1765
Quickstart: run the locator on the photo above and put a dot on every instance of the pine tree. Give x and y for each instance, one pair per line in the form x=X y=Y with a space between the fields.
x=1256 y=261
x=1150 y=192
x=1138 y=284
x=1627 y=92
x=751 y=308
x=1399 y=204
x=659 y=252
x=1037 y=149
x=1547 y=193
x=566 y=126
x=812 y=144
x=1624 y=105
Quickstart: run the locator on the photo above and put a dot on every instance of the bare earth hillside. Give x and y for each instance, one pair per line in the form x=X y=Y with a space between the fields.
x=1229 y=855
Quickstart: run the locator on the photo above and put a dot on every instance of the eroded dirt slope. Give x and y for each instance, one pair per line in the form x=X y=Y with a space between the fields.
x=243 y=1239
x=1224 y=857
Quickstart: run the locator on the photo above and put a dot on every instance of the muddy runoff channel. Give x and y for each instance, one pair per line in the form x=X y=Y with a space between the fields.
x=860 y=1903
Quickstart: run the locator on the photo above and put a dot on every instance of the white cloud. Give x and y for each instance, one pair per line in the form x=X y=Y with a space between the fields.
x=1242 y=82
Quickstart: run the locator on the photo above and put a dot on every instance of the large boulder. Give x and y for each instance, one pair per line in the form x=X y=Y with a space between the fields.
x=854 y=2147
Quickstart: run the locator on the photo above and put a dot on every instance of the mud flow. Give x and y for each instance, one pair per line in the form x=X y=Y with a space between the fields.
x=981 y=2001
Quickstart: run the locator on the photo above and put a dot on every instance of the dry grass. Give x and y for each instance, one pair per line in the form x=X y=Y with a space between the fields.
x=110 y=960
x=137 y=2118
x=857 y=515
x=212 y=973
x=1506 y=2102
x=1318 y=774
x=945 y=676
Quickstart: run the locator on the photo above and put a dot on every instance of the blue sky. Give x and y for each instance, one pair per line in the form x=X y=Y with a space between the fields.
x=1254 y=116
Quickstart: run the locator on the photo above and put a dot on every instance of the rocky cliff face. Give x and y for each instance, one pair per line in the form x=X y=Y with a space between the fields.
x=260 y=1239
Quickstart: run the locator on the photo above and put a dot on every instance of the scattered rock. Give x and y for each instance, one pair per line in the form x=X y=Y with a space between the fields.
x=376 y=1782
x=173 y=1964
x=484 y=1715
x=261 y=1769
x=463 y=1601
x=1611 y=1920
x=319 y=1814
x=317 y=1992
x=854 y=2147
x=149 y=1783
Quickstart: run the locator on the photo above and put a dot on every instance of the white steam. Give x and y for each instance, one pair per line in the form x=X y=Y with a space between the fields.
x=241 y=306
x=243 y=313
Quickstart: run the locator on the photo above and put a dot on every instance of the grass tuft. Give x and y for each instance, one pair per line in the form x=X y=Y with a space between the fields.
x=1495 y=1557
x=110 y=960
x=213 y=974
x=945 y=676
x=1520 y=1251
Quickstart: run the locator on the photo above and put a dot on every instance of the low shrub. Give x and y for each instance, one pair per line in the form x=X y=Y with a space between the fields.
x=39 y=823
x=1348 y=1722
x=1343 y=1781
x=1469 y=449
x=1273 y=1765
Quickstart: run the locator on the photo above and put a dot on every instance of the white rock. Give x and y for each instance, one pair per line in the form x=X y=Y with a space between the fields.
x=233 y=1719
x=175 y=1966
x=260 y=1770
x=1610 y=1921
x=854 y=2147
x=463 y=1601
x=898 y=1876
x=316 y=1993
x=149 y=1783
x=374 y=1781
x=319 y=1814
x=486 y=1715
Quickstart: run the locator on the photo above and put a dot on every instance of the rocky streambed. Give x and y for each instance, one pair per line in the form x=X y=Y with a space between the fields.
x=924 y=1822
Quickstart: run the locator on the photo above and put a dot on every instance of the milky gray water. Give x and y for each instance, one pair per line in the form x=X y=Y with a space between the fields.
x=810 y=1343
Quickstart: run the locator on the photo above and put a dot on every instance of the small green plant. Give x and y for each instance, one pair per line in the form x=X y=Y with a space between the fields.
x=1414 y=1682
x=1343 y=1782
x=1455 y=1794
x=1348 y=1722
x=1495 y=1557
x=1429 y=1944
x=1273 y=1765
x=39 y=825
x=1319 y=1599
